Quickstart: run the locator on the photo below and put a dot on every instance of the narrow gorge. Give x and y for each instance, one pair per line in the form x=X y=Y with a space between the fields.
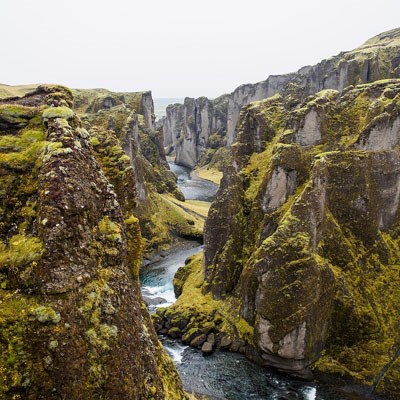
x=256 y=233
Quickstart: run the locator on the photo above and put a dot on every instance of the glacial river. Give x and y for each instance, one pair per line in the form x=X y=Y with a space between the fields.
x=222 y=375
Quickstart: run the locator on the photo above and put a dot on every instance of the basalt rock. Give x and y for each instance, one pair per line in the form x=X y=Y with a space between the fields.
x=72 y=321
x=191 y=128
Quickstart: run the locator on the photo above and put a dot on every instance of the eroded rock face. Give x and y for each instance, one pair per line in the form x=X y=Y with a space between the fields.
x=188 y=127
x=374 y=60
x=279 y=188
x=246 y=94
x=309 y=134
x=312 y=232
x=72 y=321
x=131 y=154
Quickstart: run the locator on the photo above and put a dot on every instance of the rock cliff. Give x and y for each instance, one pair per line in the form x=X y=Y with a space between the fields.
x=72 y=322
x=301 y=259
x=188 y=132
x=121 y=127
x=191 y=128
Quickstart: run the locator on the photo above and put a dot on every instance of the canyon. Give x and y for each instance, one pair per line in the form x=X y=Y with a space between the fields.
x=300 y=266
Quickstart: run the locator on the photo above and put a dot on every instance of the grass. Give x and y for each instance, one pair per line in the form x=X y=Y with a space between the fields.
x=15 y=91
x=209 y=174
x=180 y=219
x=195 y=208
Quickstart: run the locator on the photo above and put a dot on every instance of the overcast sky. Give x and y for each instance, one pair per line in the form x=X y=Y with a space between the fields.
x=178 y=48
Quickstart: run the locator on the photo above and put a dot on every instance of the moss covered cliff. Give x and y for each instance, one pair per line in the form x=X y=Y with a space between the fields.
x=197 y=128
x=130 y=152
x=301 y=259
x=72 y=322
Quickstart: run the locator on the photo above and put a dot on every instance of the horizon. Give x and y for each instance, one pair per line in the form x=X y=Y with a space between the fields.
x=173 y=52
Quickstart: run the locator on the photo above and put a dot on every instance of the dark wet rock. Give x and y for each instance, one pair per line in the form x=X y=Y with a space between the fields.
x=236 y=345
x=211 y=338
x=198 y=340
x=225 y=342
x=153 y=301
x=207 y=348
x=174 y=333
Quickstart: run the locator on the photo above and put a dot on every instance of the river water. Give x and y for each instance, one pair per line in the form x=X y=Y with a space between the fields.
x=192 y=187
x=222 y=375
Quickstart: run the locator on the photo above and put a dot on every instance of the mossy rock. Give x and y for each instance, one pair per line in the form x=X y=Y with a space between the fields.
x=57 y=112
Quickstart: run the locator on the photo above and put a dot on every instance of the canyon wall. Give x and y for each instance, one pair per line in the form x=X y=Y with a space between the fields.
x=72 y=321
x=301 y=259
x=189 y=127
x=377 y=59
x=122 y=129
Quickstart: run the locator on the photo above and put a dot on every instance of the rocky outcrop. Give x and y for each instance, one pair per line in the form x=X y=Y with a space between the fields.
x=124 y=134
x=248 y=93
x=191 y=128
x=376 y=59
x=301 y=244
x=72 y=322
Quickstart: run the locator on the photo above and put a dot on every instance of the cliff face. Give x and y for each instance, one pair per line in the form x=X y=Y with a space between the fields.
x=315 y=236
x=190 y=127
x=72 y=322
x=376 y=59
x=121 y=127
x=301 y=258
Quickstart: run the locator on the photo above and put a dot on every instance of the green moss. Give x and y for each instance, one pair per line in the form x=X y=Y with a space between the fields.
x=124 y=158
x=132 y=220
x=21 y=152
x=103 y=337
x=58 y=112
x=47 y=314
x=16 y=313
x=110 y=230
x=16 y=114
x=95 y=141
x=14 y=143
x=246 y=331
x=21 y=250
x=171 y=218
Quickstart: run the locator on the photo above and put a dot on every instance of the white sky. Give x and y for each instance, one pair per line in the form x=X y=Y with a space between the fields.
x=178 y=48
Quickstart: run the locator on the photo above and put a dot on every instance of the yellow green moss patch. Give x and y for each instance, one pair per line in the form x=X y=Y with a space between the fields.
x=58 y=112
x=21 y=250
x=180 y=220
x=110 y=230
x=47 y=314
x=209 y=174
x=16 y=114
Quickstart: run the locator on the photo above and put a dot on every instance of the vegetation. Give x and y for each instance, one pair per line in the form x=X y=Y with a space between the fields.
x=317 y=253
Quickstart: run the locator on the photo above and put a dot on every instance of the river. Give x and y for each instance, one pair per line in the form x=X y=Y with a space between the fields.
x=222 y=375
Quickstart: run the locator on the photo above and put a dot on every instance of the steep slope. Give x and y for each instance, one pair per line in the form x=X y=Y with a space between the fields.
x=301 y=259
x=192 y=129
x=121 y=127
x=187 y=127
x=72 y=321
